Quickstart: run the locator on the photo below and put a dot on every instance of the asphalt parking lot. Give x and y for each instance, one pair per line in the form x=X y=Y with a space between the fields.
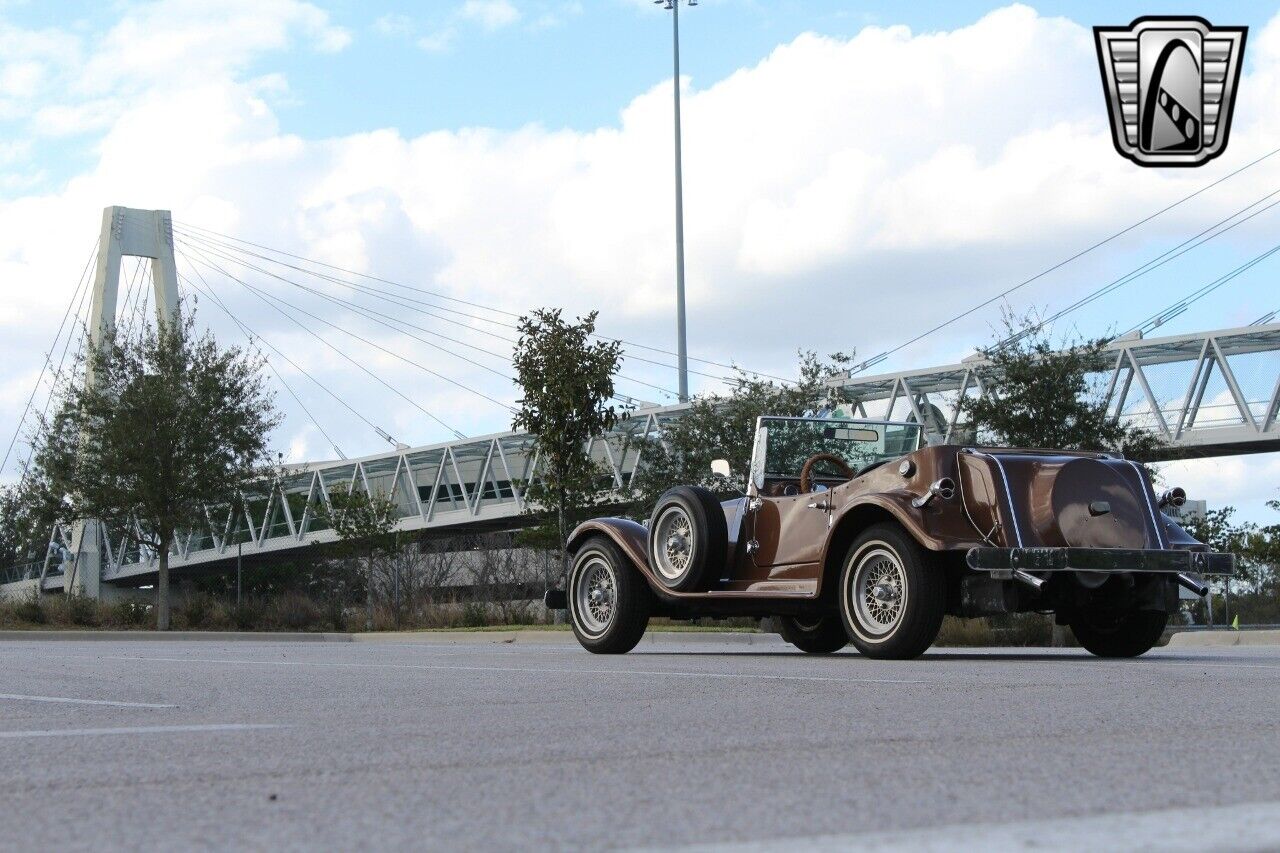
x=176 y=745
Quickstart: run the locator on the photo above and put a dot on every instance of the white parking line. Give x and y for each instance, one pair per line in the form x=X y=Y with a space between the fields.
x=534 y=670
x=1252 y=826
x=141 y=730
x=1206 y=663
x=18 y=697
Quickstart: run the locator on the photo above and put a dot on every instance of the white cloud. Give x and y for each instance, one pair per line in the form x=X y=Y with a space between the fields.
x=439 y=41
x=840 y=193
x=176 y=41
x=490 y=14
x=393 y=25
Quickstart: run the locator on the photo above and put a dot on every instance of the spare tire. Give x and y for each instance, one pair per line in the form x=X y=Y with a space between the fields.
x=688 y=539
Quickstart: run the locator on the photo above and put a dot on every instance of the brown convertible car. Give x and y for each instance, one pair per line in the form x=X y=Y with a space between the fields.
x=854 y=532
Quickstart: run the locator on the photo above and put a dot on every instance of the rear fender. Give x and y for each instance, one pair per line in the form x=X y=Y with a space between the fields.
x=894 y=506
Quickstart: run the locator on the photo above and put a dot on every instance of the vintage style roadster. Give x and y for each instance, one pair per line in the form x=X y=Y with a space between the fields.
x=855 y=532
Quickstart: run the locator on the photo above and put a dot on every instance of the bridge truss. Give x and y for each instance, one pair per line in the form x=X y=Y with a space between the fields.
x=1205 y=394
x=468 y=484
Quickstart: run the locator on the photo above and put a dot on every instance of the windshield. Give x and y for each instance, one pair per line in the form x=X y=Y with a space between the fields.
x=788 y=442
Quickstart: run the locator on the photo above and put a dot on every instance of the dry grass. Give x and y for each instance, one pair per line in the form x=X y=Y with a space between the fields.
x=297 y=612
x=1017 y=629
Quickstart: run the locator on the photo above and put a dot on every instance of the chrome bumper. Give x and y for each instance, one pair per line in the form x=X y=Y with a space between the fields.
x=1009 y=560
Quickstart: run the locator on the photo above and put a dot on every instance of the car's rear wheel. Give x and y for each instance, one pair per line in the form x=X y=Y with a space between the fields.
x=892 y=599
x=608 y=600
x=1118 y=635
x=688 y=539
x=817 y=635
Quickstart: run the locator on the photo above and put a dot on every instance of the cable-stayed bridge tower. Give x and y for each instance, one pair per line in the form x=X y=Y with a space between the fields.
x=126 y=232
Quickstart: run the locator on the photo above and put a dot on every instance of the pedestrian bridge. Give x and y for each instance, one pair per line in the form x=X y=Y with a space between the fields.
x=1207 y=394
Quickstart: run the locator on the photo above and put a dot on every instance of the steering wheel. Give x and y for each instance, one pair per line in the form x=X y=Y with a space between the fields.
x=806 y=473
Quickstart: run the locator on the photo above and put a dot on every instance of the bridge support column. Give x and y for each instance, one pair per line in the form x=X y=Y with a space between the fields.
x=126 y=232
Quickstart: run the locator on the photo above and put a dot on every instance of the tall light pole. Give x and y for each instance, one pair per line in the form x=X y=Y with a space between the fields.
x=682 y=347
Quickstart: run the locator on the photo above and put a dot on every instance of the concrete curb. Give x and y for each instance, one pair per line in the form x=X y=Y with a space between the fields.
x=453 y=638
x=1195 y=639
x=219 y=636
x=561 y=638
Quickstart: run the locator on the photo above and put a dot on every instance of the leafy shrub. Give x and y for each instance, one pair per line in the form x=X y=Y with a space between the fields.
x=248 y=616
x=130 y=614
x=83 y=610
x=295 y=612
x=335 y=614
x=195 y=610
x=475 y=615
x=31 y=609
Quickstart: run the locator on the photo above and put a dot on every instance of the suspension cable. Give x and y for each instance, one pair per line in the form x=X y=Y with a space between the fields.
x=1155 y=263
x=366 y=312
x=1161 y=317
x=415 y=304
x=48 y=360
x=271 y=300
x=1004 y=293
x=255 y=339
x=438 y=295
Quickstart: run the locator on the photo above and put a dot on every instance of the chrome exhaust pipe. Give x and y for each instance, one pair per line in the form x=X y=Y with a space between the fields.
x=1029 y=579
x=1194 y=583
x=944 y=488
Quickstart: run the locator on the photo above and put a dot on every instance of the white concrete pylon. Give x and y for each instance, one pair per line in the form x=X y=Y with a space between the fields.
x=126 y=232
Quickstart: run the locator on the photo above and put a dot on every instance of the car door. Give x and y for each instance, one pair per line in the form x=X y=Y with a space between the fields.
x=792 y=530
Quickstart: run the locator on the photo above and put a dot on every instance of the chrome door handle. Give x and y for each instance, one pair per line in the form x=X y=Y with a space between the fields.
x=818 y=505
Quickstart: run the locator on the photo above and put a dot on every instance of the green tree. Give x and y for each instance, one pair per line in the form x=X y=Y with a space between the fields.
x=1257 y=547
x=366 y=527
x=23 y=535
x=566 y=376
x=723 y=427
x=170 y=425
x=1042 y=394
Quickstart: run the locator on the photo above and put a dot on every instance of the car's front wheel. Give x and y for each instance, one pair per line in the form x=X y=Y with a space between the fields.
x=1118 y=635
x=608 y=600
x=892 y=599
x=817 y=635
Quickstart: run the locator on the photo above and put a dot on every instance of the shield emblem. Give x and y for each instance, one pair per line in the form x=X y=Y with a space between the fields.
x=1170 y=86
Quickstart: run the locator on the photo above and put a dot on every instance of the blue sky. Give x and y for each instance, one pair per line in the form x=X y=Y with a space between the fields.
x=847 y=184
x=562 y=64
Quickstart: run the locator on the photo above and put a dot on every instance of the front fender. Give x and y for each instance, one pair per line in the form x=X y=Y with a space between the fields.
x=633 y=539
x=630 y=536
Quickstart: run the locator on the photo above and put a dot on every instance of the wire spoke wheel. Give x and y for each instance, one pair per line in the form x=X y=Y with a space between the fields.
x=597 y=595
x=879 y=591
x=608 y=599
x=674 y=539
x=893 y=594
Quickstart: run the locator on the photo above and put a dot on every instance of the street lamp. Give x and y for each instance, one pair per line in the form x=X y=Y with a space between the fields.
x=682 y=349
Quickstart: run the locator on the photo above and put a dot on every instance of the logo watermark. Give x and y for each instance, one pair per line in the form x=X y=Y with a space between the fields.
x=1171 y=87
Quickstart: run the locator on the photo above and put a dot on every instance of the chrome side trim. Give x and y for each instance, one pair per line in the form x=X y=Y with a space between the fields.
x=1008 y=495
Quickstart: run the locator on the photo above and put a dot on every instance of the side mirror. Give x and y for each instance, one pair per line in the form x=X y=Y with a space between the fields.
x=720 y=467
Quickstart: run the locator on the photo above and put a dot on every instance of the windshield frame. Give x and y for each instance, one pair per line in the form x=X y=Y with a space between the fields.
x=760 y=443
